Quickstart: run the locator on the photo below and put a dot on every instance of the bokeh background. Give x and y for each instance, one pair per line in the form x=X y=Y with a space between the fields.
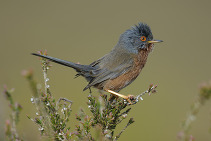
x=83 y=31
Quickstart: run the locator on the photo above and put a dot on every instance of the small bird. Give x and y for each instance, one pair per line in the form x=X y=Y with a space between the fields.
x=119 y=68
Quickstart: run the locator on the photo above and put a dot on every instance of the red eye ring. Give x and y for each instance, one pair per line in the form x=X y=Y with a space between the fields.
x=143 y=38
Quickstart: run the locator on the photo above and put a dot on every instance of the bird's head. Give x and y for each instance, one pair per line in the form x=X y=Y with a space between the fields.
x=137 y=38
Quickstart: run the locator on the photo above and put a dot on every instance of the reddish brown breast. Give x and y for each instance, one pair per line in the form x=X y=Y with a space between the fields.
x=124 y=80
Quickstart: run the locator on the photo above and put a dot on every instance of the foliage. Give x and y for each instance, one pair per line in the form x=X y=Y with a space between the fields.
x=107 y=112
x=52 y=115
x=203 y=96
x=10 y=126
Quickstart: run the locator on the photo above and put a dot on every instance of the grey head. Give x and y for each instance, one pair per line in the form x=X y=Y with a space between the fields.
x=136 y=38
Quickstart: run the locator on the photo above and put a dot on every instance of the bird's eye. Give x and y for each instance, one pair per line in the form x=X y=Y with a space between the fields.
x=143 y=38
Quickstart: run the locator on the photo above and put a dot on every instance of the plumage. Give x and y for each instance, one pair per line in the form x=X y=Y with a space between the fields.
x=121 y=66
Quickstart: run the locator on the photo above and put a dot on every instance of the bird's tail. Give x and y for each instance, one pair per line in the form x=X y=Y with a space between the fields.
x=79 y=68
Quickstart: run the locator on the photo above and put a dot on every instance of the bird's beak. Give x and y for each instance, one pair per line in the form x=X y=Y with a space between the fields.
x=155 y=41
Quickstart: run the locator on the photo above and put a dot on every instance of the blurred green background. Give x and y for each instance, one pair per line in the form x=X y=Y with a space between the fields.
x=83 y=31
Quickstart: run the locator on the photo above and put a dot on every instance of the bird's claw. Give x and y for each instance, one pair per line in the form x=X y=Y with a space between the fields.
x=131 y=99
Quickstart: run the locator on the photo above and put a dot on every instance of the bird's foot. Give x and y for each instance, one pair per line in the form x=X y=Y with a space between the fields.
x=131 y=99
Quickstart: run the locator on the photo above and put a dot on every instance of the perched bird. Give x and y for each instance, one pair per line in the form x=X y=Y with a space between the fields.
x=121 y=66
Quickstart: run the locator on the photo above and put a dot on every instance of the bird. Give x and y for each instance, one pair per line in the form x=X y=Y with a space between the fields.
x=121 y=66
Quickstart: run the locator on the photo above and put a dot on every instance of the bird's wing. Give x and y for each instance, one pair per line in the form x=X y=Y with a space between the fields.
x=109 y=71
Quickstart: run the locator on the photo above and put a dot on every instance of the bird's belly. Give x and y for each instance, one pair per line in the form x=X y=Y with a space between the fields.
x=122 y=81
x=127 y=78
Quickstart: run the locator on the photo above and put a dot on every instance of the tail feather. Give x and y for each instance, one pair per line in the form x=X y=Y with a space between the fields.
x=77 y=67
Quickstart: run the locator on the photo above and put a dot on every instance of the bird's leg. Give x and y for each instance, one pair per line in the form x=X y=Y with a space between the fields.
x=128 y=98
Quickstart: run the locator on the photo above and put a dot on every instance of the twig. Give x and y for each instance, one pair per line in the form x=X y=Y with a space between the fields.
x=149 y=91
x=64 y=99
x=135 y=99
x=129 y=123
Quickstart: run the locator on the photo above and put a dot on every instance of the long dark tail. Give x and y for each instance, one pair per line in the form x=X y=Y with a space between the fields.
x=77 y=67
